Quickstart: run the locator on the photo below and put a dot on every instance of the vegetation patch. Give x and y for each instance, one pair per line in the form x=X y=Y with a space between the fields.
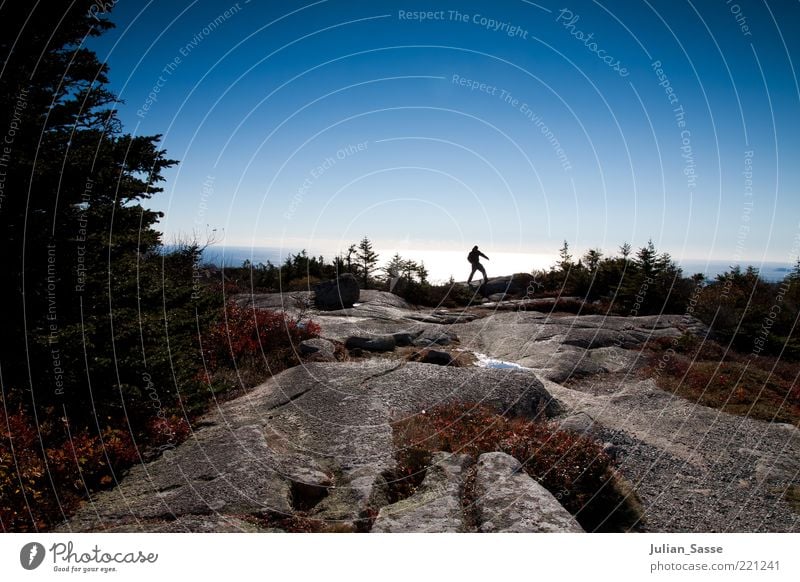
x=709 y=374
x=572 y=467
x=256 y=343
x=792 y=496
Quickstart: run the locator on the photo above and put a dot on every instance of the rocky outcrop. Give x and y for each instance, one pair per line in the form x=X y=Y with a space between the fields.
x=508 y=500
x=315 y=441
x=320 y=427
x=436 y=505
x=338 y=293
x=560 y=347
x=504 y=499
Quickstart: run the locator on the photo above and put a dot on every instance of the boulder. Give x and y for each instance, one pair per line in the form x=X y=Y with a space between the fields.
x=436 y=357
x=363 y=488
x=320 y=349
x=578 y=422
x=339 y=293
x=435 y=507
x=516 y=284
x=384 y=343
x=402 y=339
x=435 y=336
x=508 y=500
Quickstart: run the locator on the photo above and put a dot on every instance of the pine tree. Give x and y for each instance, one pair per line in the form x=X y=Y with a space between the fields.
x=394 y=267
x=348 y=261
x=367 y=261
x=646 y=258
x=86 y=272
x=592 y=258
x=564 y=257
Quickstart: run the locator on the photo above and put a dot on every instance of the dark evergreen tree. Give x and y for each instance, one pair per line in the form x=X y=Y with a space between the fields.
x=367 y=261
x=91 y=300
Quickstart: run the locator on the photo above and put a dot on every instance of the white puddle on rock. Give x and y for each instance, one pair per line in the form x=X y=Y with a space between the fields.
x=485 y=361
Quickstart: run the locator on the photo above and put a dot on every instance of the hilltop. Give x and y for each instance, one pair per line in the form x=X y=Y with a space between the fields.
x=315 y=448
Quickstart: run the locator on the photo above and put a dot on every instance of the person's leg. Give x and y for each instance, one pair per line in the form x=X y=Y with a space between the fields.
x=483 y=272
x=472 y=274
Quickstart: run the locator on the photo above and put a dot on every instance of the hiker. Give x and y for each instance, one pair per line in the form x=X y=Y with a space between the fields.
x=474 y=258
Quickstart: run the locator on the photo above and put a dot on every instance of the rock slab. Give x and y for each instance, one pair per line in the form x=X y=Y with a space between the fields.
x=320 y=426
x=509 y=500
x=435 y=507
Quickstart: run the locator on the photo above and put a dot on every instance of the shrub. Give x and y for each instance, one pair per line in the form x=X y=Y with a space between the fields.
x=740 y=388
x=572 y=467
x=46 y=471
x=247 y=332
x=708 y=373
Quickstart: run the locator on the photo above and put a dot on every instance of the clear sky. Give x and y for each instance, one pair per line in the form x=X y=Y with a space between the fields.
x=509 y=124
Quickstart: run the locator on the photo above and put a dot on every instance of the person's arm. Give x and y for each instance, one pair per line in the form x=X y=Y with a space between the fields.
x=484 y=256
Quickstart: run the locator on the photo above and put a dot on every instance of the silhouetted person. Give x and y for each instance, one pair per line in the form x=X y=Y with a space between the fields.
x=474 y=258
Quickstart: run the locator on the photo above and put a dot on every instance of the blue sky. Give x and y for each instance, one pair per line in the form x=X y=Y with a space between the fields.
x=509 y=124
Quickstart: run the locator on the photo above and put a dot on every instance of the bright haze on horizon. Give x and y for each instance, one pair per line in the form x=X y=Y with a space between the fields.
x=510 y=125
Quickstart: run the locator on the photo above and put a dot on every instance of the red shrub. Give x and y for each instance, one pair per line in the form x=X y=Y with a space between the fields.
x=572 y=467
x=44 y=474
x=250 y=332
x=164 y=431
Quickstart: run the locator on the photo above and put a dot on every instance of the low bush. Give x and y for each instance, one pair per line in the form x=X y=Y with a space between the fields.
x=710 y=374
x=245 y=333
x=734 y=387
x=572 y=467
x=47 y=470
x=49 y=465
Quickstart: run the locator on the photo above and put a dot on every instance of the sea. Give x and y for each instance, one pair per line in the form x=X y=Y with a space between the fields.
x=442 y=264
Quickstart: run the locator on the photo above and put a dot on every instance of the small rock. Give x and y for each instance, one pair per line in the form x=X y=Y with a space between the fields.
x=403 y=339
x=384 y=343
x=579 y=422
x=436 y=357
x=435 y=339
x=321 y=348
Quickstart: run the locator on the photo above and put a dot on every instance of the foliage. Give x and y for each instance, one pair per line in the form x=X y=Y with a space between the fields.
x=739 y=306
x=572 y=467
x=247 y=332
x=400 y=270
x=101 y=356
x=367 y=260
x=707 y=373
x=46 y=471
